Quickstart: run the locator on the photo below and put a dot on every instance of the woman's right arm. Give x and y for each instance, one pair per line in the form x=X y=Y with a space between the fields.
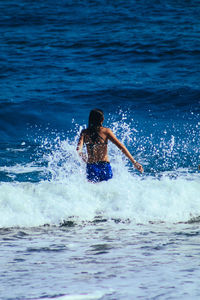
x=115 y=141
x=79 y=147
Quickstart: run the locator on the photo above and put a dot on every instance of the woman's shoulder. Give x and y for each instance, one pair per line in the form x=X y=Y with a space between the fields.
x=106 y=130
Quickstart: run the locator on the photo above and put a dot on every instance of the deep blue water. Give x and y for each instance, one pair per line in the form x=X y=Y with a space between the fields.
x=135 y=236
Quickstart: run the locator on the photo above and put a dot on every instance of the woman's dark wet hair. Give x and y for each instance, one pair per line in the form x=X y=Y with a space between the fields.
x=96 y=118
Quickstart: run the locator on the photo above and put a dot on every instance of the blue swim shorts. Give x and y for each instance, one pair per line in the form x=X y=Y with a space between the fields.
x=100 y=171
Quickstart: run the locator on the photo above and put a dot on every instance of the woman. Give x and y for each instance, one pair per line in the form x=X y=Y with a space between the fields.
x=96 y=139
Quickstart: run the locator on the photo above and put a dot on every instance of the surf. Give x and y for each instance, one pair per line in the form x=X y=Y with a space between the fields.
x=52 y=188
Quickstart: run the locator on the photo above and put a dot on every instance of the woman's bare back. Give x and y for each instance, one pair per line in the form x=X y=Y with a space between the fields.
x=97 y=149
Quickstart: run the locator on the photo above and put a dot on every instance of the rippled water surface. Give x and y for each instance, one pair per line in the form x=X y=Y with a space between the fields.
x=101 y=260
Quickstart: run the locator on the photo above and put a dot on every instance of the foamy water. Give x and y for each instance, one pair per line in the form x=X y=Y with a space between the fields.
x=66 y=195
x=165 y=200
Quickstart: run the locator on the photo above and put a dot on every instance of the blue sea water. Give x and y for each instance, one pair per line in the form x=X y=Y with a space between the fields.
x=135 y=236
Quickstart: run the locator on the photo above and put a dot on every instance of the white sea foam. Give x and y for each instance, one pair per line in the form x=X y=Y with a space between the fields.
x=68 y=195
x=21 y=169
x=124 y=197
x=92 y=296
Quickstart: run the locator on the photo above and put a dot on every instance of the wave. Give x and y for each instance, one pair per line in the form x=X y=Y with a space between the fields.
x=47 y=184
x=64 y=196
x=125 y=198
x=18 y=117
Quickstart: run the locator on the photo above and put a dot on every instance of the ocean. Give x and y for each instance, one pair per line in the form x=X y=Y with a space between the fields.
x=136 y=236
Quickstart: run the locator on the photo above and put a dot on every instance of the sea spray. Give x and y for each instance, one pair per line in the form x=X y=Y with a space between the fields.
x=166 y=192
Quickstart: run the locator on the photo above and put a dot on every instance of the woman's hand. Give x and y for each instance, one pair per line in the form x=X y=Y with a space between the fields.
x=138 y=167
